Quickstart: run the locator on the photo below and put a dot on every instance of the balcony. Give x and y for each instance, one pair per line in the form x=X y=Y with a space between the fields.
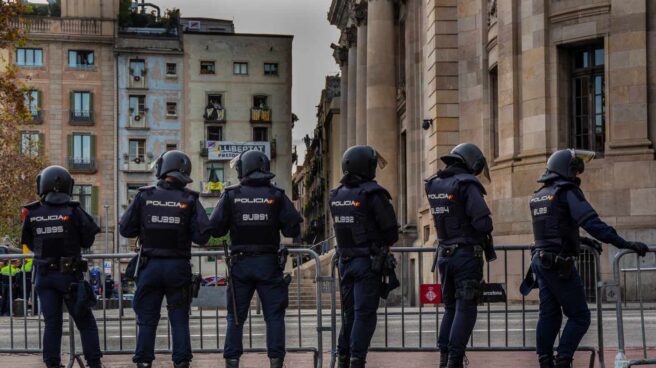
x=82 y=165
x=211 y=189
x=137 y=81
x=137 y=121
x=214 y=115
x=37 y=117
x=137 y=164
x=260 y=115
x=81 y=117
x=53 y=25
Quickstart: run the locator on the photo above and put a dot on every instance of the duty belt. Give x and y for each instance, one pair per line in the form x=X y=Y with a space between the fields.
x=449 y=250
x=64 y=264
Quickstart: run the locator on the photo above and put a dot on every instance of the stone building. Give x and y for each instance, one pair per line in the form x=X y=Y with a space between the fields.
x=68 y=62
x=520 y=79
x=237 y=96
x=150 y=71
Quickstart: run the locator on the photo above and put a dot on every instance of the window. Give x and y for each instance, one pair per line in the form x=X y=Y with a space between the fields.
x=240 y=68
x=81 y=148
x=137 y=68
x=82 y=152
x=133 y=189
x=215 y=172
x=137 y=150
x=171 y=109
x=84 y=195
x=29 y=57
x=260 y=134
x=207 y=67
x=81 y=106
x=80 y=58
x=260 y=102
x=588 y=98
x=171 y=147
x=214 y=133
x=137 y=111
x=171 y=69
x=214 y=110
x=494 y=109
x=33 y=102
x=270 y=68
x=215 y=100
x=30 y=143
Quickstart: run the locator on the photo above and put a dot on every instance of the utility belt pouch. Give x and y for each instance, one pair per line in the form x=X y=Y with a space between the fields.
x=547 y=260
x=282 y=257
x=565 y=266
x=195 y=284
x=379 y=255
x=448 y=250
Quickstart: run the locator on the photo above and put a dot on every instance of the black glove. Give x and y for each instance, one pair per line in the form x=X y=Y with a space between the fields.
x=592 y=243
x=638 y=247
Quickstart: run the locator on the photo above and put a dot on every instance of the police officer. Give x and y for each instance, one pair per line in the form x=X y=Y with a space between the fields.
x=255 y=212
x=365 y=226
x=464 y=225
x=56 y=229
x=558 y=209
x=167 y=218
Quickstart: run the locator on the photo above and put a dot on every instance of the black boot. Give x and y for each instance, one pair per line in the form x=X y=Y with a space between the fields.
x=181 y=365
x=357 y=363
x=563 y=362
x=455 y=362
x=232 y=363
x=546 y=361
x=444 y=359
x=276 y=362
x=343 y=361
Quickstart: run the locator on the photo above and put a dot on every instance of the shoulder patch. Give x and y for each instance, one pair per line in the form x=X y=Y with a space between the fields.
x=32 y=205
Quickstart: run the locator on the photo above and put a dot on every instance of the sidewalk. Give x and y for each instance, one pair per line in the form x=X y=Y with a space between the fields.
x=375 y=360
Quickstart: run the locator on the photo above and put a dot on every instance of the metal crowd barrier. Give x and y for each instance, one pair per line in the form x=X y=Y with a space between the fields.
x=404 y=327
x=118 y=328
x=621 y=360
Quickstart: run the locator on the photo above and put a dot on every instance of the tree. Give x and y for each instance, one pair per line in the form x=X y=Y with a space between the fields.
x=18 y=170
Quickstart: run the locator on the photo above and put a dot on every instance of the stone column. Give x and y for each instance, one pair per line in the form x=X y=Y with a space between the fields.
x=382 y=129
x=341 y=57
x=351 y=39
x=360 y=15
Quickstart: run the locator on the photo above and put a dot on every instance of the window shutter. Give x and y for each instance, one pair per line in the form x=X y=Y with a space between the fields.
x=92 y=140
x=39 y=96
x=70 y=146
x=91 y=107
x=94 y=200
x=72 y=100
x=42 y=144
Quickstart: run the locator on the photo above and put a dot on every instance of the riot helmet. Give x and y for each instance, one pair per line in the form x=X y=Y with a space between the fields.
x=360 y=161
x=566 y=164
x=252 y=164
x=54 y=185
x=175 y=164
x=469 y=156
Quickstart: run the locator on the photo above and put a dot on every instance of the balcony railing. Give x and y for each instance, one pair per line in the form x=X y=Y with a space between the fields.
x=211 y=189
x=136 y=164
x=137 y=121
x=82 y=165
x=81 y=117
x=214 y=115
x=39 y=24
x=37 y=117
x=260 y=115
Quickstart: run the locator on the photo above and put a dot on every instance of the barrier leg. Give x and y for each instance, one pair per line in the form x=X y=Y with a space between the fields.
x=74 y=357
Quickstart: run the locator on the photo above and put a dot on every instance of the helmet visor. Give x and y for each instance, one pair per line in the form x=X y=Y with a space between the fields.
x=583 y=155
x=233 y=162
x=486 y=173
x=380 y=160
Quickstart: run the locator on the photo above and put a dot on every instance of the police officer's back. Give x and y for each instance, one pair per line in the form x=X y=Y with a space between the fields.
x=558 y=209
x=255 y=212
x=167 y=218
x=56 y=229
x=365 y=227
x=464 y=228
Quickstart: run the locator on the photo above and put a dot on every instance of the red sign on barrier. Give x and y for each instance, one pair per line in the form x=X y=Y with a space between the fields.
x=430 y=293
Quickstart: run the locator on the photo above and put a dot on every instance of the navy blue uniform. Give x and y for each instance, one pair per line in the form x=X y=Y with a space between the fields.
x=255 y=212
x=364 y=221
x=462 y=219
x=55 y=232
x=558 y=209
x=167 y=219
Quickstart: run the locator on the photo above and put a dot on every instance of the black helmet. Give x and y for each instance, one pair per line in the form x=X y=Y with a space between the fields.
x=55 y=185
x=470 y=156
x=253 y=164
x=175 y=164
x=566 y=163
x=360 y=161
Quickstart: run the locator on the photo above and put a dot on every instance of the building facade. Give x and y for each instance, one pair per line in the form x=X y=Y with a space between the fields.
x=520 y=79
x=150 y=80
x=68 y=64
x=237 y=95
